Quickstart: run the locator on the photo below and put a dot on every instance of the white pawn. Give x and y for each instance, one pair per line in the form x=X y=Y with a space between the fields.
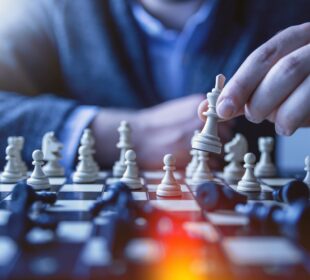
x=131 y=175
x=124 y=144
x=191 y=167
x=307 y=169
x=169 y=185
x=265 y=168
x=202 y=173
x=38 y=180
x=248 y=182
x=11 y=173
x=88 y=141
x=85 y=172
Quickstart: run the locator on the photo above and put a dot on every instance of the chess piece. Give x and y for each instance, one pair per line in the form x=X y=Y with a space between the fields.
x=291 y=192
x=85 y=172
x=18 y=143
x=191 y=167
x=23 y=196
x=307 y=169
x=248 y=182
x=124 y=145
x=20 y=224
x=11 y=173
x=51 y=149
x=212 y=196
x=169 y=185
x=207 y=140
x=265 y=168
x=88 y=141
x=131 y=175
x=38 y=180
x=202 y=173
x=235 y=149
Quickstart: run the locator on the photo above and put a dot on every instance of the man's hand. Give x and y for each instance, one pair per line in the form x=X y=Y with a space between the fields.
x=273 y=83
x=156 y=131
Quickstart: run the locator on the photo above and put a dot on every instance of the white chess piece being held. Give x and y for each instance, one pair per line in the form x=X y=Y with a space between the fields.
x=207 y=140
x=38 y=180
x=131 y=175
x=169 y=186
x=248 y=182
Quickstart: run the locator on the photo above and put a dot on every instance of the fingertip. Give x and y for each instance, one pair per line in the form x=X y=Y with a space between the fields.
x=226 y=109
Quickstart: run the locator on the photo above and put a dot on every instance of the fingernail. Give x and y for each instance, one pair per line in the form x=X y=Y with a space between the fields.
x=281 y=131
x=226 y=108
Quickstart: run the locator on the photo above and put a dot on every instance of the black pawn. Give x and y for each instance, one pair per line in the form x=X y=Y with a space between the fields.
x=23 y=196
x=291 y=192
x=19 y=224
x=212 y=196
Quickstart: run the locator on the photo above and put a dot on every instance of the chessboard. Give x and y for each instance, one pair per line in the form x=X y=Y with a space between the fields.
x=200 y=244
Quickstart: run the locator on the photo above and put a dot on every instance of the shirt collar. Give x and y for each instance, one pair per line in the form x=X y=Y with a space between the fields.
x=154 y=28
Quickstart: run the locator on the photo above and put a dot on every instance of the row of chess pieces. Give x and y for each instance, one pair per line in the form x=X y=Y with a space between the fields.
x=126 y=170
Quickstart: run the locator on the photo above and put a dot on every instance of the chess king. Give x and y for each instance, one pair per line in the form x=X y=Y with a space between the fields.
x=207 y=140
x=51 y=149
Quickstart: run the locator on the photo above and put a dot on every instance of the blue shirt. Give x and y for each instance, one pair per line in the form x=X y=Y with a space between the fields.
x=169 y=54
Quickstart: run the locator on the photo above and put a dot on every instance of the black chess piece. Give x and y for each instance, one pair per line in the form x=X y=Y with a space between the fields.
x=23 y=196
x=292 y=221
x=116 y=194
x=19 y=224
x=291 y=192
x=212 y=196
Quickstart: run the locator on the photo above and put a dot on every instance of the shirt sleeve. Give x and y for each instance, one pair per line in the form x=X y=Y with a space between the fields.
x=72 y=130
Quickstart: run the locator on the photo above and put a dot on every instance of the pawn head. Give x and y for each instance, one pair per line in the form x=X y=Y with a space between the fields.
x=130 y=155
x=169 y=159
x=249 y=158
x=37 y=155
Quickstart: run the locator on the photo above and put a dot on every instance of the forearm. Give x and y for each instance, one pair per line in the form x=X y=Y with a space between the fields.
x=31 y=117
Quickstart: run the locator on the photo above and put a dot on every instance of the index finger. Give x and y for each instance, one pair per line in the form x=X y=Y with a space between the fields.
x=240 y=87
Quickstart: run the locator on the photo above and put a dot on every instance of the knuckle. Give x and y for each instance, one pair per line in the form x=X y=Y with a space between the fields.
x=267 y=53
x=291 y=65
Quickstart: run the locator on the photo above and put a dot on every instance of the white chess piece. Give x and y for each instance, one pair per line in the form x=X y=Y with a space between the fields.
x=249 y=183
x=124 y=145
x=85 y=172
x=169 y=186
x=88 y=141
x=51 y=149
x=131 y=175
x=18 y=143
x=202 y=173
x=38 y=180
x=11 y=173
x=191 y=167
x=235 y=149
x=207 y=140
x=307 y=169
x=265 y=168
